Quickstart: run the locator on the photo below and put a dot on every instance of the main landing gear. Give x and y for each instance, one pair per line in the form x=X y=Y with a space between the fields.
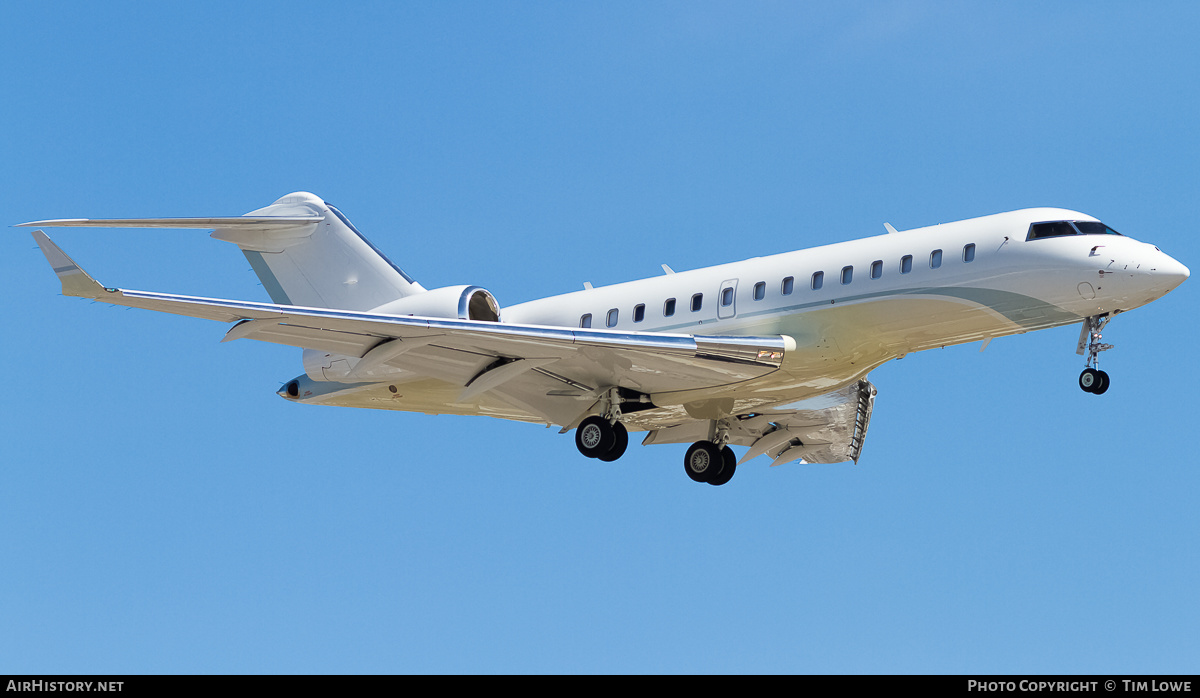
x=603 y=437
x=711 y=461
x=597 y=437
x=1093 y=380
x=707 y=462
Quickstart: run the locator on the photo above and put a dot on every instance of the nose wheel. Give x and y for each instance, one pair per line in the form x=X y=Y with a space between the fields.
x=1093 y=380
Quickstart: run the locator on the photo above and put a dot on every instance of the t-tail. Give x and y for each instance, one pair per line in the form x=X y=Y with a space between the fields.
x=319 y=261
x=305 y=252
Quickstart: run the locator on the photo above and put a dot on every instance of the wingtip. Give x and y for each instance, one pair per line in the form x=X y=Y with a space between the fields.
x=64 y=222
x=75 y=281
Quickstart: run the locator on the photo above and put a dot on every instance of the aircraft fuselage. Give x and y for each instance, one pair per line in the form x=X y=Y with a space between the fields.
x=853 y=305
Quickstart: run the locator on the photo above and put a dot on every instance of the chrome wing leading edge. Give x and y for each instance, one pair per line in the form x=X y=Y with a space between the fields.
x=642 y=361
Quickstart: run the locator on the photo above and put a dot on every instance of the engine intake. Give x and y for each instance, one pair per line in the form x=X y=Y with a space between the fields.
x=460 y=302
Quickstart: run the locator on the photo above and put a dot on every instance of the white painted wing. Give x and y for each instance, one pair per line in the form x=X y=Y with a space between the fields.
x=463 y=353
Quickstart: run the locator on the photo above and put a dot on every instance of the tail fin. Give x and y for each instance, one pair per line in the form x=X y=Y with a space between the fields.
x=304 y=251
x=324 y=264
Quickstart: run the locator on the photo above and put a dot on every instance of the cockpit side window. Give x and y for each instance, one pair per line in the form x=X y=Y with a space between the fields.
x=1091 y=228
x=1055 y=229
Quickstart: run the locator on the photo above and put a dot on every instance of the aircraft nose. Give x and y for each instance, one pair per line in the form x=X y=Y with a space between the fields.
x=1169 y=272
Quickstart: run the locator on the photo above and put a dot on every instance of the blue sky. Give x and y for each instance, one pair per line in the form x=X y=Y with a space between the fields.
x=162 y=510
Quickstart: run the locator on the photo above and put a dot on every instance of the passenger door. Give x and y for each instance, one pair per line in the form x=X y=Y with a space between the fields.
x=727 y=299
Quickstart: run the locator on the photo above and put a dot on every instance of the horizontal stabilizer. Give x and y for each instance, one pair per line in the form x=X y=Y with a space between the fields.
x=303 y=250
x=241 y=222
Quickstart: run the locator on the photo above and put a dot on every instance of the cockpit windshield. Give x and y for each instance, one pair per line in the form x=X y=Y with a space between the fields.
x=1093 y=228
x=1055 y=229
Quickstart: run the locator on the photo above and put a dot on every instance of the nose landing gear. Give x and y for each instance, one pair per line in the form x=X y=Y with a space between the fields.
x=1093 y=380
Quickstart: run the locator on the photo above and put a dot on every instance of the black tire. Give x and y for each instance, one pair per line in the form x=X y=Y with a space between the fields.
x=620 y=443
x=594 y=437
x=1089 y=380
x=727 y=470
x=1101 y=386
x=703 y=461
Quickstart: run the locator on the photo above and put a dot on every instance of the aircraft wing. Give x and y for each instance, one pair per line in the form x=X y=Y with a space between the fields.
x=476 y=356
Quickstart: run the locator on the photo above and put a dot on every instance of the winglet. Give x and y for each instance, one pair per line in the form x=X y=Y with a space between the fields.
x=75 y=281
x=889 y=227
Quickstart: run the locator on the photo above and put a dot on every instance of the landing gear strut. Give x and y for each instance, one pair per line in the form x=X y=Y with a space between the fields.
x=603 y=436
x=711 y=461
x=1093 y=380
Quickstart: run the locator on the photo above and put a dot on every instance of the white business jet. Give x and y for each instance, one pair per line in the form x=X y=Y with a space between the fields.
x=771 y=353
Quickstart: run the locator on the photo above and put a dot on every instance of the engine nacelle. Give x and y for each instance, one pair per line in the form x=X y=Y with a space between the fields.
x=460 y=302
x=456 y=302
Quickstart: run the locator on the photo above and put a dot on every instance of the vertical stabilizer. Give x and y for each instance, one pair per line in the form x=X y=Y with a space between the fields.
x=324 y=264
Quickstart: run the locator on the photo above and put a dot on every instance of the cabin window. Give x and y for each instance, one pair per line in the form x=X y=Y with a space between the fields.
x=727 y=297
x=935 y=259
x=760 y=290
x=818 y=280
x=969 y=253
x=697 y=302
x=847 y=275
x=788 y=283
x=586 y=320
x=612 y=318
x=639 y=312
x=906 y=264
x=877 y=269
x=669 y=307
